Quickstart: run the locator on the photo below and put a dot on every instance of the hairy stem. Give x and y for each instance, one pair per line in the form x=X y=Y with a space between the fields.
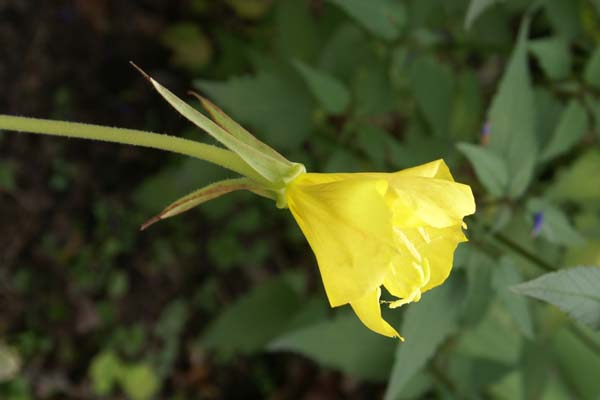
x=212 y=154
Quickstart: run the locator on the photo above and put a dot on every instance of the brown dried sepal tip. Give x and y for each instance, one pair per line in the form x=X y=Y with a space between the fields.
x=141 y=71
x=150 y=222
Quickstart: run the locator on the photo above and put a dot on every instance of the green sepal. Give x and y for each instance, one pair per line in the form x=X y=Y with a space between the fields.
x=237 y=130
x=266 y=165
x=205 y=194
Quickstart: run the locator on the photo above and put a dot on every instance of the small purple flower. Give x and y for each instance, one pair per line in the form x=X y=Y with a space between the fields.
x=485 y=133
x=538 y=222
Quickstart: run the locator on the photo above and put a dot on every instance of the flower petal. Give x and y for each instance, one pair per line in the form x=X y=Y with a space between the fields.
x=440 y=253
x=429 y=201
x=434 y=169
x=349 y=227
x=426 y=260
x=368 y=310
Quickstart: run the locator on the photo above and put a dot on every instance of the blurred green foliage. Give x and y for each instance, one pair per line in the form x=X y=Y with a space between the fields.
x=507 y=92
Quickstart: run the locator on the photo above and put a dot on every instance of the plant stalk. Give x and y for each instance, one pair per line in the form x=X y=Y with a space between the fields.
x=212 y=154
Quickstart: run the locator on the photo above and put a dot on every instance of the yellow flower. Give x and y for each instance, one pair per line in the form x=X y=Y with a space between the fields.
x=398 y=230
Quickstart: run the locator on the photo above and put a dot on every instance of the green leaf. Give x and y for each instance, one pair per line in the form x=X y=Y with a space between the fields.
x=506 y=275
x=553 y=55
x=190 y=46
x=576 y=291
x=596 y=4
x=256 y=318
x=383 y=18
x=342 y=343
x=139 y=382
x=591 y=72
x=10 y=363
x=371 y=88
x=297 y=35
x=314 y=310
x=473 y=375
x=555 y=389
x=251 y=9
x=432 y=85
x=555 y=227
x=512 y=119
x=343 y=48
x=476 y=8
x=479 y=278
x=342 y=160
x=509 y=387
x=426 y=325
x=269 y=102
x=589 y=253
x=467 y=106
x=105 y=370
x=417 y=387
x=490 y=168
x=594 y=105
x=571 y=128
x=169 y=328
x=549 y=109
x=492 y=339
x=420 y=13
x=574 y=184
x=537 y=367
x=577 y=364
x=329 y=91
x=417 y=146
x=564 y=17
x=373 y=141
x=7 y=175
x=492 y=28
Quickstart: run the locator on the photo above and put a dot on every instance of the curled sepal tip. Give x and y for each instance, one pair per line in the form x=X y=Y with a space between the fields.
x=268 y=165
x=205 y=194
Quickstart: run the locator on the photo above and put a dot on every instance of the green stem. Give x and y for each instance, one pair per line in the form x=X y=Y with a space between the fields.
x=212 y=154
x=583 y=336
x=524 y=252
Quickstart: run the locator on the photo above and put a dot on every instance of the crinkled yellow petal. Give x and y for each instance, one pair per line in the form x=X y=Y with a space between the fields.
x=440 y=253
x=349 y=227
x=426 y=260
x=368 y=309
x=429 y=201
x=434 y=169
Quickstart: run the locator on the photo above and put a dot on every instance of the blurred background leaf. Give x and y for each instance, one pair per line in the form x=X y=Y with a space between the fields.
x=383 y=18
x=512 y=118
x=249 y=324
x=490 y=168
x=9 y=363
x=476 y=8
x=426 y=325
x=343 y=344
x=573 y=291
